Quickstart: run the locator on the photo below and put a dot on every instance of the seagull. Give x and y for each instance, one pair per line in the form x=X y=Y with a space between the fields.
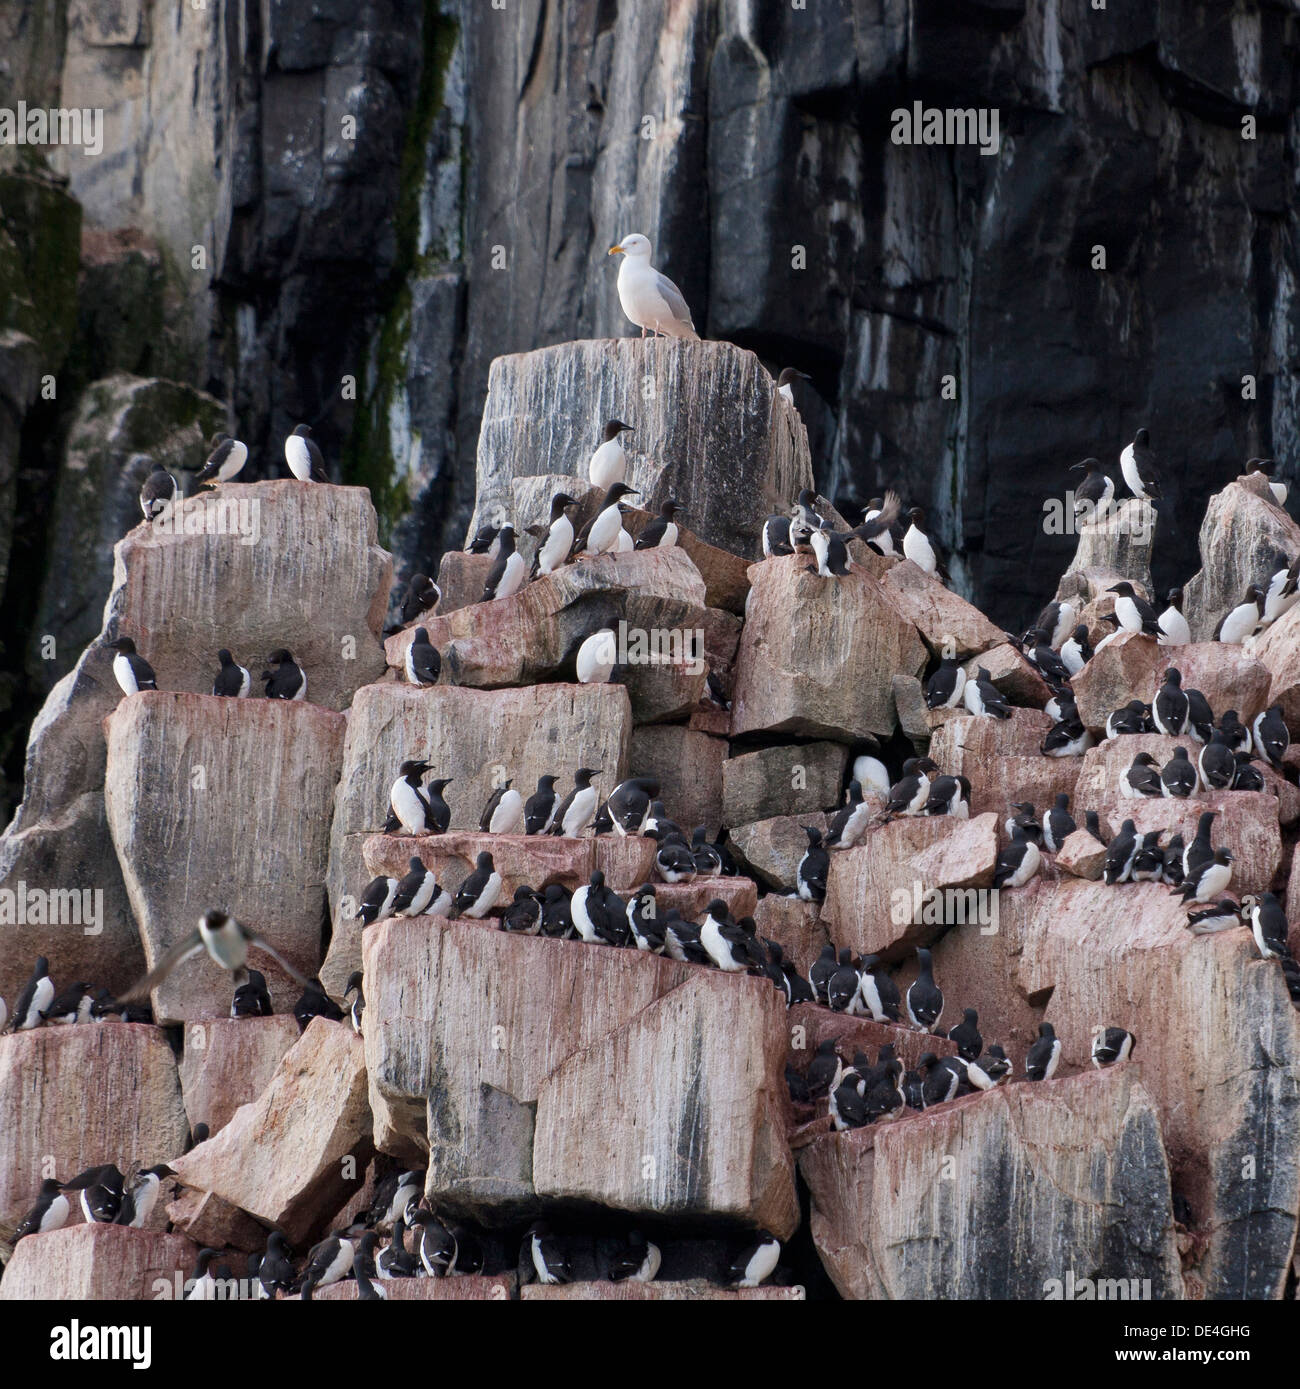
x=650 y=299
x=226 y=940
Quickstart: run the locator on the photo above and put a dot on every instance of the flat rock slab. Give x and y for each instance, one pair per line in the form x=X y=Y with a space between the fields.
x=97 y=1263
x=1082 y=856
x=709 y=434
x=180 y=597
x=84 y=1095
x=798 y=779
x=213 y=1223
x=804 y=667
x=876 y=893
x=725 y=575
x=1218 y=1049
x=689 y=765
x=1133 y=667
x=534 y=634
x=1012 y=674
x=950 y=625
x=284 y=1158
x=476 y=736
x=692 y=899
x=1278 y=650
x=771 y=849
x=522 y=860
x=500 y=1287
x=1002 y=761
x=669 y=1150
x=999 y=1194
x=464 y=1041
x=811 y=1024
x=461 y=577
x=227 y=1062
x=795 y=925
x=693 y=1290
x=223 y=803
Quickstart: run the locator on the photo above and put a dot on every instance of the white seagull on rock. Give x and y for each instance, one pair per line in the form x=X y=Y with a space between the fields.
x=650 y=299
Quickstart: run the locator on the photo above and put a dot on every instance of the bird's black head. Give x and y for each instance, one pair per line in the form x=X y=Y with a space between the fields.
x=1143 y=438
x=484 y=861
x=303 y=431
x=123 y=644
x=279 y=657
x=1124 y=589
x=614 y=428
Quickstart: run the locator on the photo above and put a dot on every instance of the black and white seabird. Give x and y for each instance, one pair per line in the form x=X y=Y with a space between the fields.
x=597 y=657
x=1170 y=711
x=524 y=914
x=1272 y=737
x=1069 y=738
x=949 y=795
x=1142 y=778
x=485 y=542
x=943 y=690
x=804 y=519
x=920 y=547
x=50 y=1211
x=662 y=530
x=1216 y=764
x=377 y=901
x=557 y=919
x=547 y=1254
x=849 y=823
x=810 y=876
x=480 y=890
x=638 y=1260
x=1138 y=464
x=396 y=1261
x=600 y=535
x=1110 y=1045
x=358 y=1008
x=1044 y=1056
x=227 y=943
x=1174 y=630
x=1093 y=496
x=785 y=382
x=252 y=999
x=1132 y=611
x=824 y=1070
x=1092 y=824
x=101 y=1191
x=423 y=664
x=1058 y=824
x=994 y=1067
x=1200 y=716
x=843 y=984
x=1076 y=650
x=643 y=919
x=966 y=1036
x=1173 y=866
x=924 y=998
x=1149 y=861
x=421 y=595
x=159 y=491
x=285 y=679
x=883 y=540
x=608 y=463
x=1237 y=734
x=1200 y=851
x=877 y=992
x=1026 y=819
x=1178 y=776
x=1120 y=853
x=820 y=971
x=539 y=808
x=1057 y=620
x=776 y=537
x=225 y=462
x=1038 y=652
x=756 y=1262
x=314 y=1002
x=579 y=806
x=504 y=811
x=1268 y=924
x=1222 y=915
x=70 y=1005
x=1283 y=592
x=557 y=541
x=303 y=456
x=36 y=997
x=1240 y=622
x=201 y=1285
x=708 y=857
x=909 y=795
x=141 y=1195
x=275 y=1272
x=674 y=858
x=629 y=804
x=1206 y=883
x=407 y=799
x=233 y=680
x=982 y=696
x=327 y=1262
x=507 y=575
x=722 y=939
x=132 y=672
x=1266 y=466
x=1018 y=862
x=1132 y=718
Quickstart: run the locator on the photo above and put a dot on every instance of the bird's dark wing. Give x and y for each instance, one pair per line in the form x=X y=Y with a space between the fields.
x=183 y=950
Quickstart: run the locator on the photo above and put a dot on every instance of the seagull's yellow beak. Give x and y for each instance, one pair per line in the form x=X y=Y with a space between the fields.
x=615 y=250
